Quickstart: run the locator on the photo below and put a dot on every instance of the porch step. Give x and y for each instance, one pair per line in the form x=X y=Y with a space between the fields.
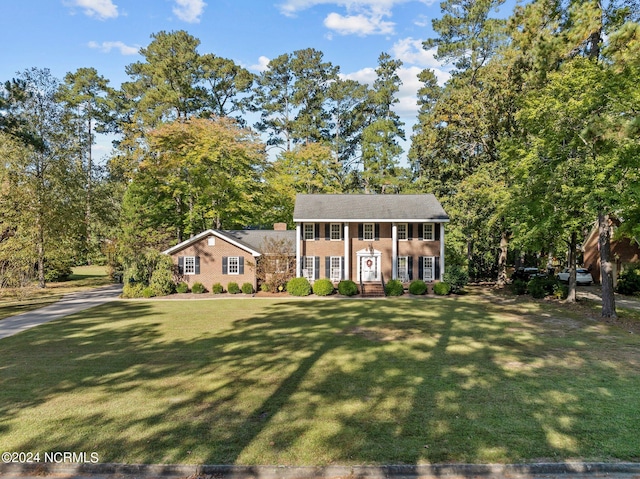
x=372 y=290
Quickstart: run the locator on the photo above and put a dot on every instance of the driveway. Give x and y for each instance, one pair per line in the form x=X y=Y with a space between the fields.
x=71 y=303
x=594 y=292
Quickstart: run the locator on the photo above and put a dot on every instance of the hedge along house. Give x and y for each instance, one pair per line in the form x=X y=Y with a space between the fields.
x=369 y=238
x=224 y=256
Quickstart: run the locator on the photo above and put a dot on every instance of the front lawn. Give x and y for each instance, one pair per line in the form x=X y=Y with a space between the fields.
x=312 y=382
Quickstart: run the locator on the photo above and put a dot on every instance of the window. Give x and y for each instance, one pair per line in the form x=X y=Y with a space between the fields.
x=308 y=267
x=428 y=231
x=336 y=232
x=428 y=268
x=402 y=231
x=309 y=231
x=368 y=232
x=335 y=268
x=211 y=241
x=233 y=265
x=403 y=268
x=189 y=265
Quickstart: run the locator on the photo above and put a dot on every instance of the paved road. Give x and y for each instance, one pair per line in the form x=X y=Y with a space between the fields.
x=594 y=292
x=71 y=303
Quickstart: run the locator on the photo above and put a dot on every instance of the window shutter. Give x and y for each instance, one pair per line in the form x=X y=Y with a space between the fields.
x=436 y=231
x=410 y=231
x=327 y=266
x=197 y=265
x=327 y=231
x=376 y=229
x=421 y=233
x=342 y=267
x=420 y=267
x=225 y=265
x=241 y=265
x=410 y=267
x=317 y=267
x=436 y=260
x=360 y=232
x=317 y=231
x=180 y=264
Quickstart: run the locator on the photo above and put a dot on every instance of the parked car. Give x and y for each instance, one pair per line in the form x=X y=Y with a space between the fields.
x=526 y=274
x=583 y=276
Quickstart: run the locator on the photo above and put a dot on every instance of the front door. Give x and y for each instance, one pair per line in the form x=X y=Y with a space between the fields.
x=370 y=268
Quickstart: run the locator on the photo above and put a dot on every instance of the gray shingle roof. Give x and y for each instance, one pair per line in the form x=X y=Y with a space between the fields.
x=368 y=208
x=255 y=239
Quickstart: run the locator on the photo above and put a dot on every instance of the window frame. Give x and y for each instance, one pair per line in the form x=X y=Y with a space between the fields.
x=406 y=231
x=404 y=278
x=364 y=231
x=189 y=265
x=305 y=226
x=339 y=231
x=333 y=268
x=431 y=228
x=230 y=261
x=311 y=272
x=425 y=268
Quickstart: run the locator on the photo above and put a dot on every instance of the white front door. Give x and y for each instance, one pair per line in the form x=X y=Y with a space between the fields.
x=370 y=268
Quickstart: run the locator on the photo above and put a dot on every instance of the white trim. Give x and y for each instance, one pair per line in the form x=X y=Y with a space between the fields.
x=339 y=225
x=433 y=268
x=198 y=237
x=237 y=258
x=298 y=233
x=332 y=268
x=394 y=250
x=184 y=265
x=313 y=231
x=365 y=253
x=424 y=232
x=373 y=232
x=347 y=251
x=441 y=251
x=406 y=231
x=371 y=220
x=311 y=277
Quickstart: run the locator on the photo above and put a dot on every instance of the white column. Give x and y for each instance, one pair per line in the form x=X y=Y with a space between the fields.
x=298 y=235
x=441 y=250
x=347 y=250
x=394 y=251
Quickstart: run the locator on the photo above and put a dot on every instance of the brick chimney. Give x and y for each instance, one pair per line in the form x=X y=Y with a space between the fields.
x=280 y=226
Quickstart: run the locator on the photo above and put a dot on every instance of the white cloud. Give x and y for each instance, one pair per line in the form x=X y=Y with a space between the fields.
x=291 y=7
x=358 y=24
x=263 y=63
x=106 y=47
x=410 y=51
x=189 y=10
x=101 y=9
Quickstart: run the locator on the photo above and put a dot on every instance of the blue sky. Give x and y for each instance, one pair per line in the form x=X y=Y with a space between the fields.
x=64 y=35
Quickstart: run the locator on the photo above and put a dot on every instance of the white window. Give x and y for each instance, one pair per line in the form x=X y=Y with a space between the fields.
x=211 y=241
x=189 y=265
x=368 y=231
x=427 y=229
x=233 y=265
x=335 y=268
x=428 y=268
x=308 y=267
x=309 y=231
x=336 y=231
x=403 y=268
x=402 y=231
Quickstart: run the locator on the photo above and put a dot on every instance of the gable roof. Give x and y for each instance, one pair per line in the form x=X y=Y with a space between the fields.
x=251 y=241
x=356 y=208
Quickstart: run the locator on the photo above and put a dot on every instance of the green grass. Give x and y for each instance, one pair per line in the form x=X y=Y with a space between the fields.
x=21 y=300
x=312 y=382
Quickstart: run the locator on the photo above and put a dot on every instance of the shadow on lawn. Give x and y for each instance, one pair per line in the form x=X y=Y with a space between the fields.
x=343 y=382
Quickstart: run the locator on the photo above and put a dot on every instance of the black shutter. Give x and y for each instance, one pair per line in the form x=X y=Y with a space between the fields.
x=421 y=233
x=327 y=231
x=420 y=267
x=225 y=265
x=410 y=267
x=436 y=260
x=360 y=232
x=342 y=267
x=317 y=267
x=327 y=266
x=377 y=232
x=241 y=265
x=410 y=231
x=436 y=232
x=197 y=265
x=316 y=231
x=180 y=264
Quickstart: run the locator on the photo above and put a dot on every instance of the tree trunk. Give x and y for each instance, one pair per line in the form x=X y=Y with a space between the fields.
x=87 y=217
x=502 y=259
x=571 y=297
x=40 y=247
x=606 y=271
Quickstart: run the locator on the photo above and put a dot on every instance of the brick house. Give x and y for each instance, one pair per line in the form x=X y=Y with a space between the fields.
x=224 y=256
x=369 y=238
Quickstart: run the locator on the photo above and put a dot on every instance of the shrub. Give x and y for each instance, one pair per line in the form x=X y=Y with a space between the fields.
x=418 y=287
x=132 y=290
x=247 y=288
x=233 y=288
x=217 y=288
x=394 y=288
x=519 y=287
x=629 y=280
x=539 y=287
x=161 y=281
x=323 y=287
x=442 y=289
x=347 y=287
x=299 y=287
x=457 y=278
x=560 y=291
x=148 y=292
x=182 y=287
x=197 y=288
x=56 y=270
x=265 y=287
